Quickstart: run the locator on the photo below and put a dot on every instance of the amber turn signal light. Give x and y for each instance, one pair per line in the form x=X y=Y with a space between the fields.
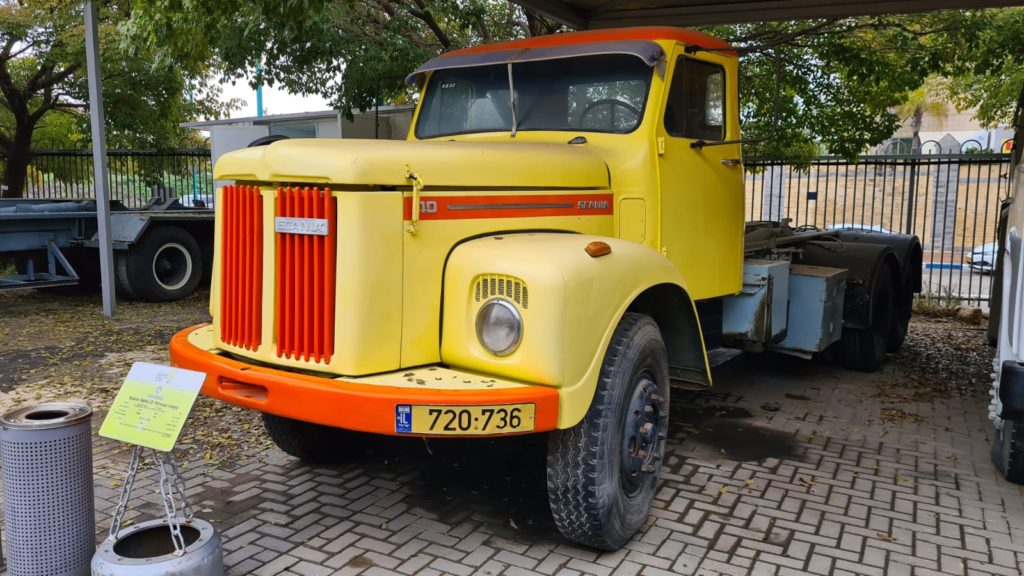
x=598 y=249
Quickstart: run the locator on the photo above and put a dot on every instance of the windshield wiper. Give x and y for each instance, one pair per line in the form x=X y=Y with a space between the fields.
x=512 y=100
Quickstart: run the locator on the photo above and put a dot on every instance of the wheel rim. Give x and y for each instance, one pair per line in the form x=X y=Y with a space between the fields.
x=642 y=435
x=172 y=266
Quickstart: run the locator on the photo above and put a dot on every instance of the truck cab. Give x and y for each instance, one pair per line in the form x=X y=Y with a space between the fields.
x=560 y=238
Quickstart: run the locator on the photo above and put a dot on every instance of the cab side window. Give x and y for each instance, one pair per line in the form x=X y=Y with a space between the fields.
x=696 y=101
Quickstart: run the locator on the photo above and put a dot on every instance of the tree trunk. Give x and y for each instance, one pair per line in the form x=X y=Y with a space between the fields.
x=18 y=159
x=918 y=118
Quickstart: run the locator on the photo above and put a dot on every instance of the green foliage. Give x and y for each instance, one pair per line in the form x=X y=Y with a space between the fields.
x=43 y=89
x=339 y=49
x=841 y=81
x=988 y=72
x=838 y=81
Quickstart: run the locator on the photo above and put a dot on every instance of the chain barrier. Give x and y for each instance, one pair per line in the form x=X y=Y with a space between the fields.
x=167 y=493
x=171 y=483
x=126 y=493
x=179 y=482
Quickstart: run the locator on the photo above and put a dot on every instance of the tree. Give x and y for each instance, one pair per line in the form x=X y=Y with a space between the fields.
x=988 y=73
x=42 y=74
x=930 y=98
x=343 y=50
x=839 y=81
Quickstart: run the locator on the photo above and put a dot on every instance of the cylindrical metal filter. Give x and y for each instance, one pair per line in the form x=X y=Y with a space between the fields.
x=146 y=549
x=46 y=451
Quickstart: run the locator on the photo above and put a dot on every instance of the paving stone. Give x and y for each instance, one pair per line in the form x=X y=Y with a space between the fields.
x=848 y=495
x=305 y=568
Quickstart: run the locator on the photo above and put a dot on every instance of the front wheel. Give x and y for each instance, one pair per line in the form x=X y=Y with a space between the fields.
x=312 y=443
x=603 y=472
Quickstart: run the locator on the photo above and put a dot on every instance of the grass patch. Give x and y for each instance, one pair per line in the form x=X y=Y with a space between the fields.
x=936 y=304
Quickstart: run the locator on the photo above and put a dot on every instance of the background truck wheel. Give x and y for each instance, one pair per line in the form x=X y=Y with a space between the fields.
x=864 y=349
x=1008 y=451
x=602 y=473
x=165 y=265
x=121 y=281
x=308 y=442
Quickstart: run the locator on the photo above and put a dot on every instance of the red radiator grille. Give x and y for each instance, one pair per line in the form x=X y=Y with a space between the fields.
x=241 y=266
x=305 y=277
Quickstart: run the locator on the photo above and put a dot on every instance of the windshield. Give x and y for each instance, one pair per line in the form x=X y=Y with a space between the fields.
x=601 y=93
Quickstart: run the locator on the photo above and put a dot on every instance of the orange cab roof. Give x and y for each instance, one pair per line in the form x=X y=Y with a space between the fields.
x=682 y=35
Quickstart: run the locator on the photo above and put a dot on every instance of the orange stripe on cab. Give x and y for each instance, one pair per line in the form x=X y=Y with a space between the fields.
x=447 y=207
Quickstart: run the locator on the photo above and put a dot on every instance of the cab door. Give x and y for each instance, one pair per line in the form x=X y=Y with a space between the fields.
x=701 y=224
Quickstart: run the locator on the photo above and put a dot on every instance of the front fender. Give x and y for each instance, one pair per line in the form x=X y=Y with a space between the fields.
x=570 y=303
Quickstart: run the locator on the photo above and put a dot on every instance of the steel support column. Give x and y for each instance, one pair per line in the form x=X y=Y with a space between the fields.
x=99 y=158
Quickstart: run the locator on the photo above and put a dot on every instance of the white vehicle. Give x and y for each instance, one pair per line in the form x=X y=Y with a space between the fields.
x=983 y=258
x=197 y=200
x=864 y=227
x=1007 y=408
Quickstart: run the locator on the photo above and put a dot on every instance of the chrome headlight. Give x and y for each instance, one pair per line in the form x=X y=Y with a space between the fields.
x=499 y=327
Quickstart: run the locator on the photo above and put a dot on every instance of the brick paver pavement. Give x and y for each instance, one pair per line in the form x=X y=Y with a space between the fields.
x=786 y=467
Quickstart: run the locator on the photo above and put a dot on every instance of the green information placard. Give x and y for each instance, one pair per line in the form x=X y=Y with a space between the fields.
x=152 y=405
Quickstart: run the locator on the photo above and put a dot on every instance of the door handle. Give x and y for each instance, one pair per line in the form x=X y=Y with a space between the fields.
x=732 y=162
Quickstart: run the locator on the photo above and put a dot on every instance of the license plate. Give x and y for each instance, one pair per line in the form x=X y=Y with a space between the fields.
x=464 y=420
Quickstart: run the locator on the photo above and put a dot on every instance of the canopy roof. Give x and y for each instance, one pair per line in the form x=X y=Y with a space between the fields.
x=583 y=14
x=638 y=41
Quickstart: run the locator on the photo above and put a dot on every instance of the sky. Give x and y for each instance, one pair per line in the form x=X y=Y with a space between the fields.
x=275 y=100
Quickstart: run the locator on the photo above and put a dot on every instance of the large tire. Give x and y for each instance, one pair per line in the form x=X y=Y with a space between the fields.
x=308 y=442
x=121 y=280
x=864 y=349
x=1008 y=451
x=166 y=264
x=602 y=473
x=901 y=321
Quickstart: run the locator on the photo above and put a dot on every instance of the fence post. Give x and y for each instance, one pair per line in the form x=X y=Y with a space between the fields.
x=911 y=192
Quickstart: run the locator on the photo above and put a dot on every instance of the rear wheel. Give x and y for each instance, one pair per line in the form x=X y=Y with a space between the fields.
x=309 y=442
x=864 y=349
x=901 y=322
x=603 y=472
x=1008 y=451
x=165 y=265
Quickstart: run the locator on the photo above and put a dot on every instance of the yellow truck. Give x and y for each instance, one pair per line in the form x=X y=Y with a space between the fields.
x=560 y=238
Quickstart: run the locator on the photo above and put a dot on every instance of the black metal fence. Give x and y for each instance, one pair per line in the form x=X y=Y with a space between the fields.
x=950 y=201
x=133 y=174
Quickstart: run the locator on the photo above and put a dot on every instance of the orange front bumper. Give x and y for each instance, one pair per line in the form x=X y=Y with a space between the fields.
x=339 y=403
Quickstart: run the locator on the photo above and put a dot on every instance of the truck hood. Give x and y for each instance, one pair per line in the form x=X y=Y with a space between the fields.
x=438 y=164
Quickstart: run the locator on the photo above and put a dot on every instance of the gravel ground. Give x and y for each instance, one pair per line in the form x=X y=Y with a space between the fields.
x=58 y=346
x=61 y=347
x=751 y=455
